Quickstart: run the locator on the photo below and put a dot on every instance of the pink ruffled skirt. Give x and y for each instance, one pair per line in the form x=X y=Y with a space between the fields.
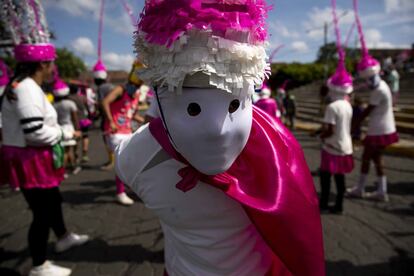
x=336 y=164
x=30 y=167
x=381 y=140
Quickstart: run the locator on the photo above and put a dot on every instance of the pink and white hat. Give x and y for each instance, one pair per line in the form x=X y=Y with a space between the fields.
x=222 y=40
x=31 y=35
x=367 y=66
x=341 y=80
x=60 y=88
x=4 y=75
x=99 y=70
x=264 y=92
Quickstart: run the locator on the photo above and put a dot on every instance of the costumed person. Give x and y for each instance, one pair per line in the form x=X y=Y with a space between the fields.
x=103 y=87
x=67 y=112
x=336 y=156
x=79 y=98
x=381 y=126
x=31 y=137
x=280 y=96
x=229 y=184
x=120 y=108
x=266 y=102
x=4 y=80
x=394 y=81
x=289 y=106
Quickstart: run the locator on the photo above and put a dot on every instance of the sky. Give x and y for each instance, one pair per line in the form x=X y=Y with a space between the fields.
x=297 y=25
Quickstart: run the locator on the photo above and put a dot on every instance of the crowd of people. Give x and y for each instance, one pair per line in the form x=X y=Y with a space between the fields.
x=212 y=157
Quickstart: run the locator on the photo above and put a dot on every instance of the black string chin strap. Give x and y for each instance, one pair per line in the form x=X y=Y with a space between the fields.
x=164 y=122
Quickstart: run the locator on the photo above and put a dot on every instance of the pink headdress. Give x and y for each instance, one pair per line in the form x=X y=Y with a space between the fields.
x=99 y=69
x=341 y=80
x=4 y=76
x=367 y=66
x=31 y=37
x=60 y=88
x=222 y=39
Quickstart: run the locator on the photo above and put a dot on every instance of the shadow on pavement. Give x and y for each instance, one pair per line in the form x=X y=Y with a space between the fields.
x=401 y=188
x=397 y=266
x=99 y=251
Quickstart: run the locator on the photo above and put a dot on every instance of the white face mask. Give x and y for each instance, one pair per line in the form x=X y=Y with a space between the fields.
x=208 y=126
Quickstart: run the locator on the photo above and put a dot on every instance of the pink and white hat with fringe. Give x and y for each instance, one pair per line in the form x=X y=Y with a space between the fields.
x=60 y=88
x=341 y=80
x=223 y=40
x=31 y=35
x=367 y=66
x=4 y=75
x=264 y=92
x=99 y=70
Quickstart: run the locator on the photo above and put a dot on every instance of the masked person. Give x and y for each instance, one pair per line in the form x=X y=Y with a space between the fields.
x=381 y=126
x=229 y=184
x=120 y=107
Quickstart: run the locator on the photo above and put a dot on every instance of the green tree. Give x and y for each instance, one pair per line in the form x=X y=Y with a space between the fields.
x=69 y=65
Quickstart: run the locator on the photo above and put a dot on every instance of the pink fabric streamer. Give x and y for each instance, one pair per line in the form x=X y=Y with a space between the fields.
x=164 y=21
x=359 y=27
x=129 y=12
x=271 y=180
x=274 y=52
x=366 y=61
x=348 y=36
x=341 y=78
x=101 y=15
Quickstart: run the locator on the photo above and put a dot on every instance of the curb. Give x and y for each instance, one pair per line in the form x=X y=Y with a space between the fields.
x=402 y=148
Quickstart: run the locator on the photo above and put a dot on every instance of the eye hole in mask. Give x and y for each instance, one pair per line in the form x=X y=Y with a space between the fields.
x=193 y=109
x=234 y=105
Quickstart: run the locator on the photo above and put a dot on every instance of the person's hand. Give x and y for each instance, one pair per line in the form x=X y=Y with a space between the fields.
x=77 y=134
x=113 y=126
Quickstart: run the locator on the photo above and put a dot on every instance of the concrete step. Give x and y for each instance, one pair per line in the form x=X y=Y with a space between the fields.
x=404 y=117
x=405 y=127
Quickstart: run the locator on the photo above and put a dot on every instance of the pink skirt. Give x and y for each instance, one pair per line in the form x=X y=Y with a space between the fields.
x=30 y=167
x=381 y=140
x=336 y=164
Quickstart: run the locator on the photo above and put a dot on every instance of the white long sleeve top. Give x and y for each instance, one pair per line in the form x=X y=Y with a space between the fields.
x=30 y=120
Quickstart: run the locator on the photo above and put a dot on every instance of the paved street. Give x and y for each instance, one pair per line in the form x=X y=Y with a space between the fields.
x=369 y=239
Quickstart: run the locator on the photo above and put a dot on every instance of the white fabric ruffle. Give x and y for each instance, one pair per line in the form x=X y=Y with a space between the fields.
x=230 y=65
x=369 y=72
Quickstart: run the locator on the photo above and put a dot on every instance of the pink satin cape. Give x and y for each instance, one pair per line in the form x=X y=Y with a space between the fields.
x=271 y=180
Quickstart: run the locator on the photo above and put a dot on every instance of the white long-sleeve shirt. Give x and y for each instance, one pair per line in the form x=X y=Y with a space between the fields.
x=30 y=120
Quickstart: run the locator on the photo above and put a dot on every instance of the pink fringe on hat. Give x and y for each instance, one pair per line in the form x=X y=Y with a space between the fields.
x=4 y=75
x=165 y=21
x=222 y=39
x=341 y=80
x=367 y=66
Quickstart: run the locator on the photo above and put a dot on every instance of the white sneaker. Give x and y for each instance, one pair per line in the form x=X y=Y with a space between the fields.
x=124 y=199
x=355 y=192
x=70 y=241
x=378 y=196
x=77 y=170
x=49 y=269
